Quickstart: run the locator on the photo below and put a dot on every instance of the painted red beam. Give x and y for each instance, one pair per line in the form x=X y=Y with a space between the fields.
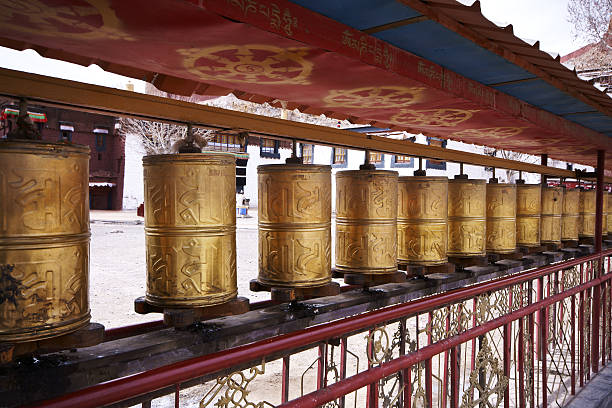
x=601 y=157
x=346 y=386
x=599 y=210
x=123 y=388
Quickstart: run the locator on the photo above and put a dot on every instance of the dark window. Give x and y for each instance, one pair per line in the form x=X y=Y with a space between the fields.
x=307 y=153
x=100 y=141
x=226 y=143
x=66 y=135
x=99 y=156
x=402 y=161
x=268 y=148
x=435 y=164
x=377 y=159
x=339 y=157
x=101 y=136
x=66 y=129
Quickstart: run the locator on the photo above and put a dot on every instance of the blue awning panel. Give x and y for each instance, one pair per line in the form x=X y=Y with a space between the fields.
x=430 y=40
x=360 y=14
x=542 y=94
x=597 y=121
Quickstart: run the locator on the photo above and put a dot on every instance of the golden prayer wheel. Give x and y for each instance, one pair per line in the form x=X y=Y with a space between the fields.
x=570 y=217
x=190 y=229
x=466 y=217
x=501 y=218
x=552 y=209
x=294 y=225
x=44 y=239
x=528 y=209
x=586 y=224
x=422 y=216
x=366 y=221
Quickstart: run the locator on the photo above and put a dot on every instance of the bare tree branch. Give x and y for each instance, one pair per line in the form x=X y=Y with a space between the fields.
x=160 y=138
x=509 y=176
x=590 y=18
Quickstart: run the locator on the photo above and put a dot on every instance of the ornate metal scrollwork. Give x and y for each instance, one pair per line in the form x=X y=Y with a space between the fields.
x=586 y=329
x=447 y=322
x=380 y=349
x=419 y=397
x=233 y=392
x=528 y=362
x=491 y=305
x=331 y=368
x=494 y=384
x=379 y=346
x=520 y=296
x=570 y=277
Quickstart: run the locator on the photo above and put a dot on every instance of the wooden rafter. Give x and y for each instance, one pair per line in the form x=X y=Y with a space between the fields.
x=75 y=95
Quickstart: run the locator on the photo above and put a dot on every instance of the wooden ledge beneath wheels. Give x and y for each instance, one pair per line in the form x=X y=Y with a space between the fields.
x=367 y=280
x=89 y=335
x=283 y=294
x=183 y=317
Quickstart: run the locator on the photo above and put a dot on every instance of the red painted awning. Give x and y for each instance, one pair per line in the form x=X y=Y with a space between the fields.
x=34 y=116
x=274 y=50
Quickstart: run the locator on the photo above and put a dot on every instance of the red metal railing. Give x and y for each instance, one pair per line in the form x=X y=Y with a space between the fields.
x=524 y=339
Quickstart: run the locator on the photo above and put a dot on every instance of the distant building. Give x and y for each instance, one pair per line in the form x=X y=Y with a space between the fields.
x=260 y=150
x=267 y=151
x=593 y=62
x=106 y=162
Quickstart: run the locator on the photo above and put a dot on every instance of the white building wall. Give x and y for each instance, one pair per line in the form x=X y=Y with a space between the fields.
x=133 y=184
x=250 y=188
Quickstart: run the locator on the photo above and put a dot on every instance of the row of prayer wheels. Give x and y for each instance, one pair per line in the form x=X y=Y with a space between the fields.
x=382 y=220
x=190 y=228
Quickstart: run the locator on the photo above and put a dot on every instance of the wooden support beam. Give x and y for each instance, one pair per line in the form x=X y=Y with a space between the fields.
x=395 y=24
x=49 y=91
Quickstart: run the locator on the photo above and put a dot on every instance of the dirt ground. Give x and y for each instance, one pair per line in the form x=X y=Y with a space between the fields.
x=118 y=268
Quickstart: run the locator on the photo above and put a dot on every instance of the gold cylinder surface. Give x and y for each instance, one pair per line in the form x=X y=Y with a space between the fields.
x=586 y=225
x=44 y=239
x=552 y=210
x=528 y=210
x=422 y=234
x=570 y=216
x=366 y=221
x=190 y=229
x=294 y=225
x=466 y=217
x=501 y=218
